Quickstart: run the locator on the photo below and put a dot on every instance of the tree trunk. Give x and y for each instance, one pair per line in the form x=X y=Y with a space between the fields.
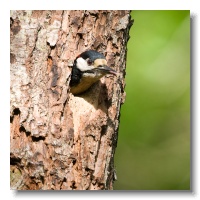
x=60 y=141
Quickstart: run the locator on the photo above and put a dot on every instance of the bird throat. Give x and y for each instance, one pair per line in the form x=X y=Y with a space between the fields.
x=87 y=80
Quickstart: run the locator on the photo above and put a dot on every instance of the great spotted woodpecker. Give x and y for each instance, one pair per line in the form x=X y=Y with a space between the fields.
x=87 y=69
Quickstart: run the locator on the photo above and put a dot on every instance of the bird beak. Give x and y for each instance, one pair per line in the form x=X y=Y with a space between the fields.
x=108 y=70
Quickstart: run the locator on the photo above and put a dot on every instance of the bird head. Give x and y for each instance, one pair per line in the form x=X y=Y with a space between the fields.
x=88 y=68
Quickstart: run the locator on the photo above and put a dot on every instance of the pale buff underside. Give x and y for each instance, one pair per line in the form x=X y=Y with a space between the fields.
x=87 y=81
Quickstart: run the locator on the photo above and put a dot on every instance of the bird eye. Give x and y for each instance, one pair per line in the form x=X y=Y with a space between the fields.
x=89 y=62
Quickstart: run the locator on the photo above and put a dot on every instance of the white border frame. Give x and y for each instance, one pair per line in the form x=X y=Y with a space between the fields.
x=8 y=5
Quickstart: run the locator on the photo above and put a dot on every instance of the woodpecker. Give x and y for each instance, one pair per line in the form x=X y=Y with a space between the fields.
x=87 y=69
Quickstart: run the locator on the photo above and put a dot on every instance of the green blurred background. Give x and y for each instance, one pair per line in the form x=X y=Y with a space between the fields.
x=153 y=151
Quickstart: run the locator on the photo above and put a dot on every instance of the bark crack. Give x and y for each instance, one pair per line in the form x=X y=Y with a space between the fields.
x=16 y=111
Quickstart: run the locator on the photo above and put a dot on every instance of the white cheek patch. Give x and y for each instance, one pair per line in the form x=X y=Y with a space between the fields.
x=82 y=64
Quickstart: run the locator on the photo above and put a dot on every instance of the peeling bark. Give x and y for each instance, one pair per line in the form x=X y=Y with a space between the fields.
x=60 y=141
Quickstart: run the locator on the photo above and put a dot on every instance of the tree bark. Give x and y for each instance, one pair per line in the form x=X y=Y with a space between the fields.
x=60 y=141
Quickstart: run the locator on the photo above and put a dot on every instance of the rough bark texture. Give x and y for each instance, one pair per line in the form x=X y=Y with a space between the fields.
x=60 y=141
